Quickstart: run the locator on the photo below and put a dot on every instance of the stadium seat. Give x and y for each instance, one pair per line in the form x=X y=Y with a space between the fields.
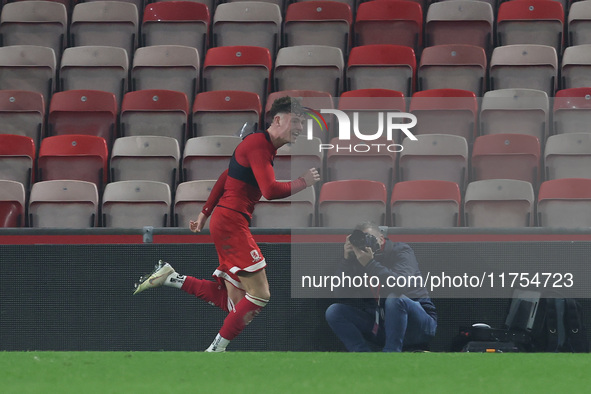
x=394 y=22
x=291 y=212
x=17 y=159
x=136 y=204
x=207 y=157
x=40 y=23
x=460 y=22
x=95 y=68
x=445 y=111
x=506 y=156
x=150 y=158
x=579 y=23
x=177 y=23
x=245 y=68
x=565 y=203
x=312 y=99
x=515 y=111
x=572 y=111
x=190 y=197
x=382 y=67
x=63 y=204
x=28 y=67
x=310 y=67
x=568 y=156
x=576 y=67
x=92 y=112
x=253 y=23
x=72 y=156
x=293 y=160
x=526 y=66
x=22 y=112
x=530 y=22
x=453 y=67
x=155 y=112
x=318 y=22
x=226 y=112
x=107 y=23
x=170 y=67
x=441 y=157
x=497 y=203
x=12 y=204
x=427 y=203
x=344 y=204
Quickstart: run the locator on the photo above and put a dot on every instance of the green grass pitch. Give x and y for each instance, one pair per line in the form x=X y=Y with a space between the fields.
x=291 y=372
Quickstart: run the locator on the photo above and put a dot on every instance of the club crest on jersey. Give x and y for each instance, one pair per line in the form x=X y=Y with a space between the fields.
x=255 y=255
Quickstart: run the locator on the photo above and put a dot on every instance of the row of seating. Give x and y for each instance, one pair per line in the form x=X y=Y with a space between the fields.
x=274 y=24
x=493 y=203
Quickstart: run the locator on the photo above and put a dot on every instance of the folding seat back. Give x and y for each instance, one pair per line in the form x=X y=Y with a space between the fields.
x=293 y=160
x=245 y=68
x=170 y=67
x=73 y=156
x=427 y=203
x=17 y=159
x=40 y=23
x=314 y=100
x=189 y=199
x=565 y=203
x=150 y=157
x=63 y=204
x=445 y=111
x=382 y=67
x=568 y=156
x=95 y=68
x=572 y=110
x=253 y=23
x=453 y=67
x=291 y=212
x=506 y=156
x=107 y=23
x=499 y=203
x=177 y=23
x=22 y=112
x=530 y=22
x=12 y=204
x=310 y=67
x=318 y=23
x=434 y=157
x=155 y=112
x=460 y=22
x=28 y=67
x=515 y=111
x=136 y=204
x=579 y=23
x=226 y=112
x=344 y=204
x=207 y=157
x=92 y=112
x=526 y=66
x=576 y=67
x=390 y=22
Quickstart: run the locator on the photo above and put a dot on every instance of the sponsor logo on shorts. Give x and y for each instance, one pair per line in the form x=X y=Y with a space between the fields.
x=255 y=255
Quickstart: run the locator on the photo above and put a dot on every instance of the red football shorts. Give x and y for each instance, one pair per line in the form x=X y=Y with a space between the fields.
x=236 y=248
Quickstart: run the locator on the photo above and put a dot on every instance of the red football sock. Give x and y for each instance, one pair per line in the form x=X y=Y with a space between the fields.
x=208 y=291
x=246 y=309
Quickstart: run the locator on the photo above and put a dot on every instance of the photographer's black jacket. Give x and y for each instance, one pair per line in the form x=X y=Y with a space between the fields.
x=394 y=260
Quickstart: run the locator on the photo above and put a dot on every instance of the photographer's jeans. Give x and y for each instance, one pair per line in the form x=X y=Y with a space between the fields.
x=405 y=323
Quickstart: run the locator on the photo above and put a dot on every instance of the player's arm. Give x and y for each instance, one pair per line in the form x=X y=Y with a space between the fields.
x=212 y=201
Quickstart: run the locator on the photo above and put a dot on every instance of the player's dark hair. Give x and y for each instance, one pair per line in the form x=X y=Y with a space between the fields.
x=286 y=105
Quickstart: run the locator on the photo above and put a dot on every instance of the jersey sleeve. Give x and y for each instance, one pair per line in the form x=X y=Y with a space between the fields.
x=215 y=195
x=260 y=161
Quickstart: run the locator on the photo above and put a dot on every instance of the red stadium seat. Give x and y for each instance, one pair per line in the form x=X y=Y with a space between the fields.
x=565 y=203
x=12 y=204
x=17 y=159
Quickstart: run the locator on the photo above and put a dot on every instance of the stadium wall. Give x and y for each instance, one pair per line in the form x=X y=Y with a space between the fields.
x=72 y=290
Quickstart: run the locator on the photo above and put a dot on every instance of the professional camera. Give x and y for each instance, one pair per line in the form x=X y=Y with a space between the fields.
x=361 y=240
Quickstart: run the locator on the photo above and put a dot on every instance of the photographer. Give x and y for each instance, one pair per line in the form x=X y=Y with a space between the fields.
x=390 y=317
